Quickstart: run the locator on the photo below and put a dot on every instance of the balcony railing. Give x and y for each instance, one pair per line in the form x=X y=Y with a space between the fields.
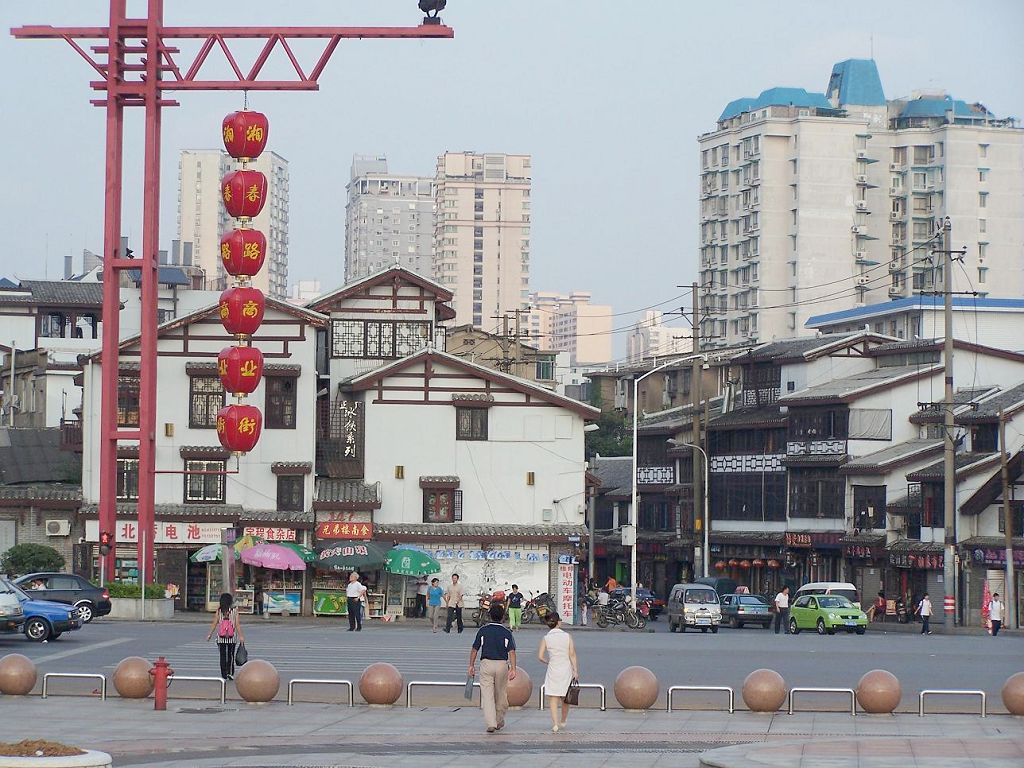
x=71 y=435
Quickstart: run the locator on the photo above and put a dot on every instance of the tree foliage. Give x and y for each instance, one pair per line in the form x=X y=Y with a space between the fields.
x=614 y=434
x=29 y=558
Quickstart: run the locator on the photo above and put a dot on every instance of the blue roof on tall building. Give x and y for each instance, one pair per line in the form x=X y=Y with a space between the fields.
x=914 y=302
x=165 y=276
x=775 y=97
x=935 y=107
x=856 y=81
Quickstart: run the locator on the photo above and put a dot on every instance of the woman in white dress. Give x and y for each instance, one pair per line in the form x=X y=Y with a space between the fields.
x=558 y=651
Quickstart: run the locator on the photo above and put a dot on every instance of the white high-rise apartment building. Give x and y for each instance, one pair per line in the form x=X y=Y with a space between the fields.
x=821 y=202
x=570 y=323
x=389 y=220
x=650 y=337
x=482 y=234
x=202 y=218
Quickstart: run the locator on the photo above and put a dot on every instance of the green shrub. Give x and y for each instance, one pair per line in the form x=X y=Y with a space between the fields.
x=30 y=558
x=134 y=591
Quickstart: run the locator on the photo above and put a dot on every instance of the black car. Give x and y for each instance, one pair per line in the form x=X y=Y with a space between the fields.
x=90 y=600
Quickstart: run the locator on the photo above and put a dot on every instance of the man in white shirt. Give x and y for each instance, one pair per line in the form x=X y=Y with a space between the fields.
x=924 y=609
x=995 y=613
x=422 y=585
x=782 y=610
x=355 y=593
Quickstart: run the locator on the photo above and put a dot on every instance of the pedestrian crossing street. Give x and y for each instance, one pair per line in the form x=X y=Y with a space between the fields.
x=426 y=656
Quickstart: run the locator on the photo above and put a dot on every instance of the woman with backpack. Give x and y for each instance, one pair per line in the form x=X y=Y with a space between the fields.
x=227 y=625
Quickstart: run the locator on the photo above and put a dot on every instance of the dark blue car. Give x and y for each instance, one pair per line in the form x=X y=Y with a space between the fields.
x=45 y=619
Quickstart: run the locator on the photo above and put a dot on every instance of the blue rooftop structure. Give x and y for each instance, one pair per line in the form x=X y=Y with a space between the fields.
x=934 y=107
x=912 y=303
x=165 y=276
x=856 y=81
x=776 y=97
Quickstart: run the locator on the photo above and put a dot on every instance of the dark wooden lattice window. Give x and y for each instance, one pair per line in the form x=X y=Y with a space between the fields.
x=347 y=338
x=442 y=506
x=470 y=423
x=127 y=401
x=206 y=397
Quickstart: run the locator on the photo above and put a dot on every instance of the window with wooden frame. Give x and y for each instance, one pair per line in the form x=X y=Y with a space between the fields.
x=128 y=400
x=205 y=397
x=205 y=481
x=279 y=412
x=127 y=479
x=291 y=493
x=442 y=505
x=378 y=339
x=470 y=423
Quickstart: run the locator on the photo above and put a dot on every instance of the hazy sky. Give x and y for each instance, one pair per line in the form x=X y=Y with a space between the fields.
x=609 y=98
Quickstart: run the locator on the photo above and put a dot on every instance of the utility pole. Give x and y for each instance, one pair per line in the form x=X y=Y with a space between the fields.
x=698 y=471
x=1010 y=619
x=949 y=445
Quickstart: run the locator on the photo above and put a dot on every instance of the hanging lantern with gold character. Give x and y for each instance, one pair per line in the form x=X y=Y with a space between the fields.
x=239 y=427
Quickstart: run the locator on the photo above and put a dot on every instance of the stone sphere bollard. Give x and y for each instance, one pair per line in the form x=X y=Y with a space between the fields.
x=878 y=692
x=257 y=681
x=17 y=675
x=636 y=688
x=1013 y=694
x=520 y=690
x=132 y=679
x=380 y=684
x=764 y=690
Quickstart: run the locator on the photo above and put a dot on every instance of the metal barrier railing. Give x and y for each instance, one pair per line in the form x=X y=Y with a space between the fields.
x=594 y=686
x=672 y=689
x=90 y=676
x=430 y=684
x=947 y=692
x=311 y=681
x=853 y=696
x=192 y=678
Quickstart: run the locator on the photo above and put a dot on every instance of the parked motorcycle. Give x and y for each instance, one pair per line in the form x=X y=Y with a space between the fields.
x=618 y=612
x=482 y=612
x=537 y=607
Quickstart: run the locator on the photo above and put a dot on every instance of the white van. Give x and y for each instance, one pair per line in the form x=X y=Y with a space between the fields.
x=12 y=616
x=695 y=606
x=844 y=588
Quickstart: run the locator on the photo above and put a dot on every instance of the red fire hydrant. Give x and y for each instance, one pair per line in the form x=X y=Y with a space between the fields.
x=162 y=674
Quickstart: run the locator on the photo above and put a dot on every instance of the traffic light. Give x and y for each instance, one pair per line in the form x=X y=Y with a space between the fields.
x=104 y=542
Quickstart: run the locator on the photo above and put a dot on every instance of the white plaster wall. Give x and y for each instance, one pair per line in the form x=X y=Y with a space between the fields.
x=493 y=473
x=527 y=567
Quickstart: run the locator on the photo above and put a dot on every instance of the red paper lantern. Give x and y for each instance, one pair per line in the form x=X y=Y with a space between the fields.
x=244 y=193
x=245 y=134
x=720 y=565
x=241 y=310
x=744 y=563
x=243 y=251
x=734 y=562
x=240 y=369
x=757 y=562
x=239 y=427
x=773 y=564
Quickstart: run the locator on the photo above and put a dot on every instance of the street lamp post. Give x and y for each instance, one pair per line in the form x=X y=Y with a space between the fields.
x=706 y=518
x=634 y=516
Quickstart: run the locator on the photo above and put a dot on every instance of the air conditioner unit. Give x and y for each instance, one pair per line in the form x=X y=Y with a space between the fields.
x=58 y=527
x=862 y=179
x=895 y=191
x=895 y=216
x=862 y=153
x=895 y=167
x=862 y=205
x=860 y=255
x=859 y=229
x=895 y=290
x=863 y=280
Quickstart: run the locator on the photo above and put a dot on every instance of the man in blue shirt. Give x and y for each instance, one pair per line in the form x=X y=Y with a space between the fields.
x=497 y=650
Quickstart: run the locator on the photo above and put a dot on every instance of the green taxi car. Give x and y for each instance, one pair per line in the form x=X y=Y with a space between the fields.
x=826 y=614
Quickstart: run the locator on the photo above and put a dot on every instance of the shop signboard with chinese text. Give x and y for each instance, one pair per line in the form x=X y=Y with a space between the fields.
x=992 y=556
x=921 y=560
x=565 y=598
x=165 y=532
x=344 y=530
x=270 y=534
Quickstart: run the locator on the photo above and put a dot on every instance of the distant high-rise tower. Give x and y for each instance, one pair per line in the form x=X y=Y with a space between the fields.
x=570 y=323
x=816 y=202
x=389 y=220
x=202 y=218
x=650 y=337
x=482 y=234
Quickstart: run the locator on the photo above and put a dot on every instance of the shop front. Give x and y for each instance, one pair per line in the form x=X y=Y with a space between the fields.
x=916 y=567
x=340 y=529
x=753 y=559
x=815 y=555
x=984 y=562
x=867 y=561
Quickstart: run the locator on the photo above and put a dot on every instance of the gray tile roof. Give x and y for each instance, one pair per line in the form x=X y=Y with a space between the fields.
x=29 y=455
x=613 y=471
x=766 y=416
x=41 y=492
x=851 y=386
x=480 y=531
x=988 y=409
x=965 y=463
x=893 y=456
x=785 y=349
x=216 y=512
x=961 y=398
x=65 y=292
x=331 y=490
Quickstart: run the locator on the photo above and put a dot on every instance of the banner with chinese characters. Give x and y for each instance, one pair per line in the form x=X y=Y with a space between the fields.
x=565 y=598
x=165 y=532
x=270 y=534
x=344 y=530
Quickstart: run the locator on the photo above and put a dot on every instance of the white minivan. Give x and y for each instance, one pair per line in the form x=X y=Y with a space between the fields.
x=12 y=616
x=844 y=588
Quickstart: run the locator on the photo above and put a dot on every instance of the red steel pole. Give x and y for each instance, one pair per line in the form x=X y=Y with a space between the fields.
x=149 y=298
x=111 y=288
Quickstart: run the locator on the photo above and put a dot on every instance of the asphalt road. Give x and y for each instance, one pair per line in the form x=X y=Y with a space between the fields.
x=326 y=650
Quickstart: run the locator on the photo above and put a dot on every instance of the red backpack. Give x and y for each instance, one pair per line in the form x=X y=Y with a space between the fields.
x=226 y=627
